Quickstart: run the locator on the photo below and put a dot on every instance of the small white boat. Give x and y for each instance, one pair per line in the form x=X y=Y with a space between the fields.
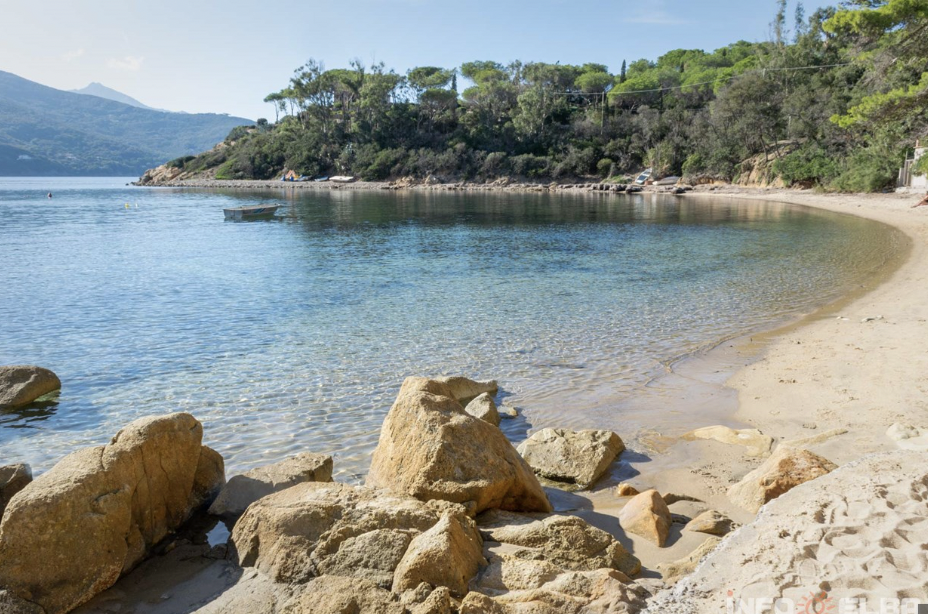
x=643 y=177
x=250 y=212
x=341 y=179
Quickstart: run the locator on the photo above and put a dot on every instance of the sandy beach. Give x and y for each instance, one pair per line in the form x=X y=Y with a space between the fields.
x=833 y=383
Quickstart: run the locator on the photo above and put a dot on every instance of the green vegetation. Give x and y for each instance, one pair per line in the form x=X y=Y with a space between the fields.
x=834 y=101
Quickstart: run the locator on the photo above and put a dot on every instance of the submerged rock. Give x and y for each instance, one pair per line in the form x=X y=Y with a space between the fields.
x=20 y=385
x=99 y=511
x=430 y=448
x=484 y=408
x=648 y=516
x=575 y=457
x=757 y=443
x=784 y=470
x=243 y=490
x=13 y=478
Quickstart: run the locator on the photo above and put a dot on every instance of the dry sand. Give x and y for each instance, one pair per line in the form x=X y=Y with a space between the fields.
x=859 y=366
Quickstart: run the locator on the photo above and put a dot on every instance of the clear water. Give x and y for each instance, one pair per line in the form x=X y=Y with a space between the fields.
x=293 y=334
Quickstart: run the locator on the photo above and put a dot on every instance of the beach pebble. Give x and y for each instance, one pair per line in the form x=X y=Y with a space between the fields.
x=626 y=490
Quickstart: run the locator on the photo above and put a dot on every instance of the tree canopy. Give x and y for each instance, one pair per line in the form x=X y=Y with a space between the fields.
x=835 y=100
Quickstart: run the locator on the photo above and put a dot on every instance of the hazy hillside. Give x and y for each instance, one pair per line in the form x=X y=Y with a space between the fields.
x=44 y=131
x=101 y=91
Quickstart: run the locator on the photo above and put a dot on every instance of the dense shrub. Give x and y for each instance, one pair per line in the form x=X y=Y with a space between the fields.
x=809 y=165
x=867 y=170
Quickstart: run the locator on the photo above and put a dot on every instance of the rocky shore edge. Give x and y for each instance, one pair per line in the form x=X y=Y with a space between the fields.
x=452 y=519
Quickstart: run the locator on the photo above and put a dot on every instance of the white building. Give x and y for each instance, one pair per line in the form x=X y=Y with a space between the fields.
x=907 y=179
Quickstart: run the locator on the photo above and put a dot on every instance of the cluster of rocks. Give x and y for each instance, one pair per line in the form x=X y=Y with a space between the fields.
x=452 y=517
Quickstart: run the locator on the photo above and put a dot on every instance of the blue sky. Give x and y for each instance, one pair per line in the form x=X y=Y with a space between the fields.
x=225 y=57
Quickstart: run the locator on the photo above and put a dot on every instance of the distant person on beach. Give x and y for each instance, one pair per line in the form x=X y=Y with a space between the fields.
x=923 y=201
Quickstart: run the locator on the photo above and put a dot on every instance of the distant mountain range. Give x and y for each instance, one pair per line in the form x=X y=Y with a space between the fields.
x=48 y=132
x=101 y=91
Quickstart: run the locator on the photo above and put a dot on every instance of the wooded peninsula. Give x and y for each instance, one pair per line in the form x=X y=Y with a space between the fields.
x=834 y=100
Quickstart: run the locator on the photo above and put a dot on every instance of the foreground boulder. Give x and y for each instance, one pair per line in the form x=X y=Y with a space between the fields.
x=243 y=490
x=315 y=529
x=648 y=516
x=20 y=385
x=484 y=408
x=72 y=532
x=463 y=389
x=430 y=448
x=13 y=478
x=575 y=457
x=567 y=542
x=784 y=470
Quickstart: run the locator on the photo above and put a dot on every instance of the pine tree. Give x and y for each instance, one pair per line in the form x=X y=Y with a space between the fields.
x=622 y=74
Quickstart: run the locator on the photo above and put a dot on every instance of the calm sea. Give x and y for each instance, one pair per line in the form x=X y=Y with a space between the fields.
x=293 y=334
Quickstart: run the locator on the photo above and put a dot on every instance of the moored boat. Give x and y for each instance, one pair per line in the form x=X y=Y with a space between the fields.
x=250 y=212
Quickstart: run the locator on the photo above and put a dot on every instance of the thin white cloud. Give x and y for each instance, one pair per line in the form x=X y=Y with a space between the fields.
x=130 y=63
x=654 y=13
x=70 y=56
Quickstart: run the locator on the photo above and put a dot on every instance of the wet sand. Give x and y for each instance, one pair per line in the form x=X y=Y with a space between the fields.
x=835 y=369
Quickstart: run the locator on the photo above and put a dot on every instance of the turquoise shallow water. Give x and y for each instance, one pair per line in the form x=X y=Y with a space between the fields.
x=294 y=333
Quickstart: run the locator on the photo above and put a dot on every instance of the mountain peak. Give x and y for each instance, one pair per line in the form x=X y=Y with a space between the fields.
x=101 y=91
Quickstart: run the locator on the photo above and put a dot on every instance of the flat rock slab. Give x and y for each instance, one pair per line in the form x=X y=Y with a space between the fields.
x=20 y=385
x=711 y=522
x=243 y=490
x=567 y=542
x=572 y=457
x=464 y=389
